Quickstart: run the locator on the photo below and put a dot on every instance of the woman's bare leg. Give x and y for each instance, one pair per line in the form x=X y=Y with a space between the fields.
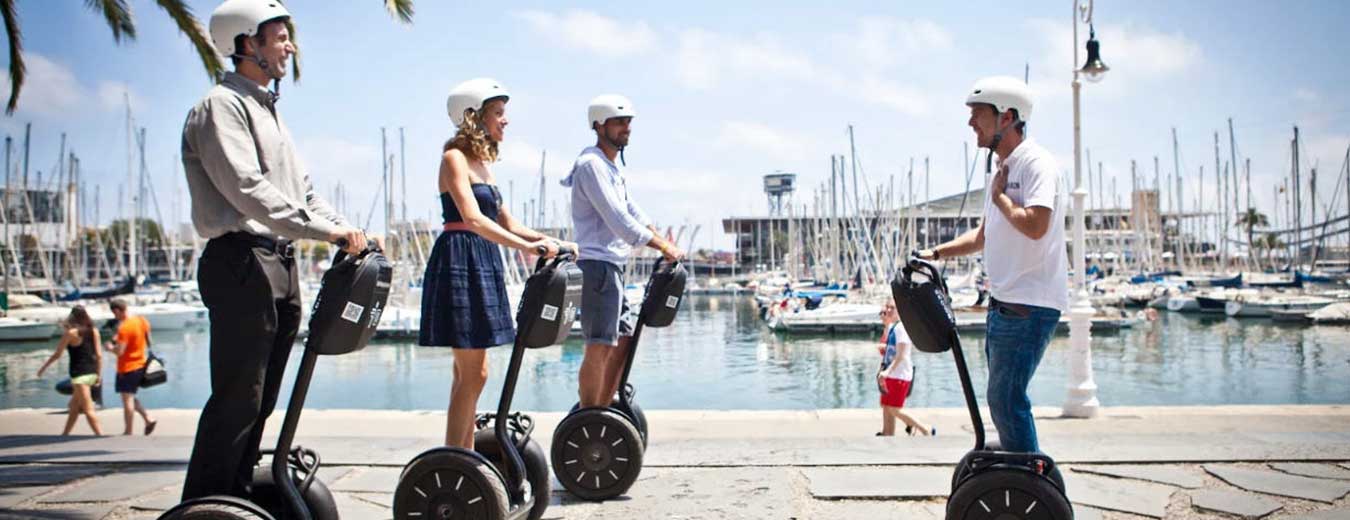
x=469 y=377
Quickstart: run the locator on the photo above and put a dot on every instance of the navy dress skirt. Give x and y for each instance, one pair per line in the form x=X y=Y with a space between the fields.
x=464 y=302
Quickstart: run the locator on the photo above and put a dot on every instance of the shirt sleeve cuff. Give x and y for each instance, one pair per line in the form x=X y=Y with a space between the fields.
x=644 y=237
x=320 y=229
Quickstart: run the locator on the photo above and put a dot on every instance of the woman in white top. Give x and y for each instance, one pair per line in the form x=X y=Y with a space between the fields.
x=896 y=375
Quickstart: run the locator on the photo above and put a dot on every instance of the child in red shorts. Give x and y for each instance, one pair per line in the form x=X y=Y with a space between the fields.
x=896 y=375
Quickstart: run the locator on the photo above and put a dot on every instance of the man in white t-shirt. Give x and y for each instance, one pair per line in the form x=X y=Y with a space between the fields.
x=1022 y=237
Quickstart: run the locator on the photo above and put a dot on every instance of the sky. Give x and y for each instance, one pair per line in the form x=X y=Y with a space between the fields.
x=726 y=92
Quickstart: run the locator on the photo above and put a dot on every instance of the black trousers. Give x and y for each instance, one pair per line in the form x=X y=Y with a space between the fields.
x=252 y=295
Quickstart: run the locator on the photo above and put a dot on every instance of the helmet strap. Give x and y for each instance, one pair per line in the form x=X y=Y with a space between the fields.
x=604 y=137
x=993 y=144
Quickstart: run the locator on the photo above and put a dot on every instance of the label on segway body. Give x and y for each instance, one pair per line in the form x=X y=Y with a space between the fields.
x=672 y=301
x=352 y=312
x=550 y=313
x=375 y=312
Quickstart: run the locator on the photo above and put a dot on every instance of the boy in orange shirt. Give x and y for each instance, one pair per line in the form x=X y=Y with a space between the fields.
x=130 y=344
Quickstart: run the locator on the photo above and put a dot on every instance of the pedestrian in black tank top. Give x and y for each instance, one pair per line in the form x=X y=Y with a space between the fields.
x=81 y=339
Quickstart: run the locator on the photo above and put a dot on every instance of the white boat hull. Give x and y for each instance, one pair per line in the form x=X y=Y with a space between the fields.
x=14 y=329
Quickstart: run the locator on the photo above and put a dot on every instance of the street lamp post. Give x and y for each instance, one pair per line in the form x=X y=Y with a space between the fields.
x=1082 y=394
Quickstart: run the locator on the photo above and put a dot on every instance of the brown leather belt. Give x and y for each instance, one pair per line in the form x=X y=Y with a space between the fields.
x=1020 y=310
x=457 y=226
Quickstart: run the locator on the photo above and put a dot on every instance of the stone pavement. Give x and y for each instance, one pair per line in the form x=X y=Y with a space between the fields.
x=1131 y=463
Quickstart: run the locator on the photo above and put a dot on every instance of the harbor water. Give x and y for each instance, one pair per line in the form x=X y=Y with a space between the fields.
x=718 y=355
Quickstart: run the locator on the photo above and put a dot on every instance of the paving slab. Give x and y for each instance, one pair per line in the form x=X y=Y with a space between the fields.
x=338 y=451
x=123 y=485
x=353 y=508
x=42 y=475
x=1086 y=513
x=382 y=499
x=1308 y=469
x=60 y=512
x=369 y=479
x=751 y=493
x=1127 y=496
x=1245 y=505
x=160 y=500
x=876 y=510
x=1283 y=484
x=879 y=482
x=1160 y=473
x=12 y=496
x=1340 y=513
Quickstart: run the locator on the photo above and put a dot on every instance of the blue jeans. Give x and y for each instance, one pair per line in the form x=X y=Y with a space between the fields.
x=1016 y=337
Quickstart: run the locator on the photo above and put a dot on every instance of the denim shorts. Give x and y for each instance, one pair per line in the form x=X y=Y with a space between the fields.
x=605 y=314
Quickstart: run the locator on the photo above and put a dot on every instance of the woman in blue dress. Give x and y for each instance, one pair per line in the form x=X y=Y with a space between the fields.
x=464 y=303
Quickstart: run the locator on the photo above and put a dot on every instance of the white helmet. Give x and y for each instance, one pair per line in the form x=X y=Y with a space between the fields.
x=473 y=94
x=609 y=106
x=236 y=17
x=1003 y=92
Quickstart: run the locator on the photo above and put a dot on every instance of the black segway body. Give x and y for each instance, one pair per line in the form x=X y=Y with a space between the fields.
x=347 y=309
x=597 y=452
x=506 y=475
x=987 y=482
x=349 y=303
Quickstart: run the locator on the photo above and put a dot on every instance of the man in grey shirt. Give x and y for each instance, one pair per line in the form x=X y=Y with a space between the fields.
x=250 y=197
x=608 y=225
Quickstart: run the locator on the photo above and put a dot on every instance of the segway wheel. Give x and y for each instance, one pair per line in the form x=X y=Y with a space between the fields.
x=317 y=497
x=448 y=483
x=216 y=508
x=536 y=466
x=640 y=419
x=597 y=454
x=1008 y=494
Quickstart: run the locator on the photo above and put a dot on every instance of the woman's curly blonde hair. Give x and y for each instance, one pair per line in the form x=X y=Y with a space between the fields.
x=472 y=139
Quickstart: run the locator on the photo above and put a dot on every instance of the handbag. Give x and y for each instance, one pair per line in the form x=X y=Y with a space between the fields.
x=153 y=372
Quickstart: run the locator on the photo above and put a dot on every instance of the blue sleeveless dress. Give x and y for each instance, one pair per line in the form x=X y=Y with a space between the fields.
x=464 y=302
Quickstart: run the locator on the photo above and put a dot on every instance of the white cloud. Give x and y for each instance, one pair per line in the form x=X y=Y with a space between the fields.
x=761 y=138
x=705 y=59
x=113 y=95
x=1134 y=54
x=903 y=99
x=49 y=89
x=333 y=159
x=1306 y=94
x=884 y=41
x=519 y=157
x=591 y=32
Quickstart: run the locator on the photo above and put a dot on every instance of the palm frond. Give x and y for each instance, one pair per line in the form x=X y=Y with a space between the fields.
x=295 y=58
x=402 y=10
x=118 y=15
x=16 y=68
x=190 y=27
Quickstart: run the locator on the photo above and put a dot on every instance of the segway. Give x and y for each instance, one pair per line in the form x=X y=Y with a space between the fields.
x=988 y=483
x=505 y=477
x=347 y=309
x=597 y=451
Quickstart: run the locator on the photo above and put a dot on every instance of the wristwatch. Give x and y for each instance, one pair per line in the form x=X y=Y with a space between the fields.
x=936 y=256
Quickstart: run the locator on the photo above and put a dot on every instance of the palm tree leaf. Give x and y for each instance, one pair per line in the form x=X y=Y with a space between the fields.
x=400 y=9
x=118 y=15
x=189 y=26
x=295 y=58
x=16 y=68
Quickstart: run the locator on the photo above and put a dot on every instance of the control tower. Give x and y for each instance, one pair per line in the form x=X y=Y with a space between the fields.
x=778 y=187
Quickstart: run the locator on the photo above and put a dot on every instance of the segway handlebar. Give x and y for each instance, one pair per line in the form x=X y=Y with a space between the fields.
x=924 y=267
x=565 y=253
